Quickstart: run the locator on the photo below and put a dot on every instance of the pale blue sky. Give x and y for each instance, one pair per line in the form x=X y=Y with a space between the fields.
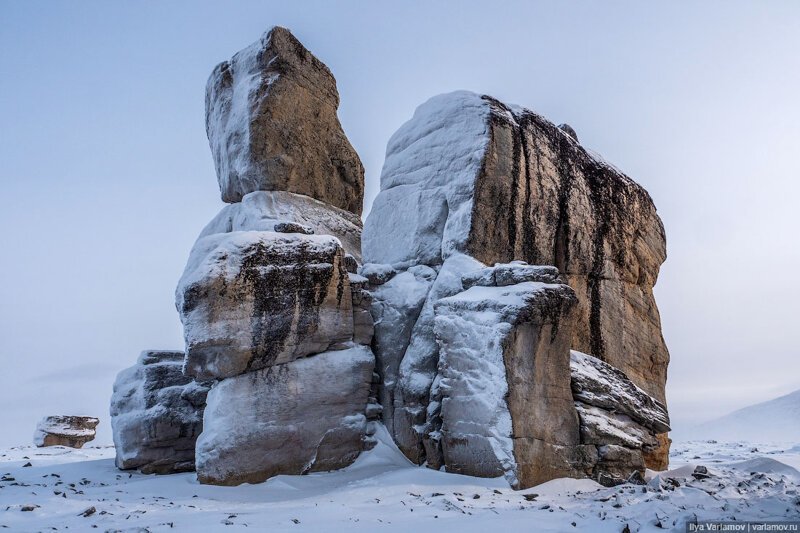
x=107 y=178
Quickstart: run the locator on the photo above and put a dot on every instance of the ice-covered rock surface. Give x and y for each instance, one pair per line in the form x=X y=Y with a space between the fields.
x=157 y=414
x=382 y=491
x=297 y=417
x=422 y=214
x=263 y=210
x=416 y=377
x=471 y=176
x=506 y=404
x=252 y=299
x=272 y=125
x=70 y=431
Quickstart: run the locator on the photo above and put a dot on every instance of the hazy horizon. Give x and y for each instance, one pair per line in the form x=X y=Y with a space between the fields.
x=108 y=179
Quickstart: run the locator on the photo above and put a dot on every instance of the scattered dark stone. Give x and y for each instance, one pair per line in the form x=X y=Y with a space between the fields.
x=88 y=512
x=701 y=472
x=293 y=227
x=27 y=508
x=566 y=128
x=350 y=264
x=27 y=465
x=636 y=478
x=530 y=497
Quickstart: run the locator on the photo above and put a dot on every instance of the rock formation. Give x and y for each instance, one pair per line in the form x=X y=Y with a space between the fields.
x=469 y=182
x=157 y=414
x=497 y=256
x=70 y=431
x=272 y=125
x=270 y=300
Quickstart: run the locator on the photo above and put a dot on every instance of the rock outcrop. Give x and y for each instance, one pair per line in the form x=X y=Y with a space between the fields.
x=272 y=125
x=70 y=431
x=270 y=301
x=496 y=252
x=468 y=176
x=157 y=414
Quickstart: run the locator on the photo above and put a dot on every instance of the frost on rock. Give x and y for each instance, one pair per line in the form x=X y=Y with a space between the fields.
x=422 y=214
x=70 y=431
x=272 y=125
x=416 y=377
x=157 y=414
x=471 y=176
x=252 y=299
x=302 y=416
x=506 y=404
x=264 y=210
x=396 y=305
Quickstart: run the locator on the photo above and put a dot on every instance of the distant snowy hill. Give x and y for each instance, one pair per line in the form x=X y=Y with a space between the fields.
x=775 y=420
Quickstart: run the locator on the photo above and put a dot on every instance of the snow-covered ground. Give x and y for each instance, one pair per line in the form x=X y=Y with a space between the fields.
x=81 y=489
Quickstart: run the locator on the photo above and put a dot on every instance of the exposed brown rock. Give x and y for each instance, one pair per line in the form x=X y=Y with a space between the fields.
x=70 y=431
x=250 y=300
x=504 y=366
x=272 y=125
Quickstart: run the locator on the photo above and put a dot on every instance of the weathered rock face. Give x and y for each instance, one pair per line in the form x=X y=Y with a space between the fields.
x=600 y=228
x=302 y=416
x=157 y=414
x=275 y=210
x=506 y=403
x=70 y=431
x=469 y=176
x=250 y=300
x=272 y=125
x=622 y=422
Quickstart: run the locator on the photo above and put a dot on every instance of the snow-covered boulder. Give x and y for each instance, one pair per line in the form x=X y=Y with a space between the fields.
x=297 y=417
x=274 y=210
x=625 y=424
x=272 y=125
x=506 y=404
x=470 y=175
x=253 y=299
x=157 y=414
x=70 y=431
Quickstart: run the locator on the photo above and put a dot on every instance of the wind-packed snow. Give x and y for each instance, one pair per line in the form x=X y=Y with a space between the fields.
x=262 y=210
x=423 y=212
x=382 y=491
x=777 y=420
